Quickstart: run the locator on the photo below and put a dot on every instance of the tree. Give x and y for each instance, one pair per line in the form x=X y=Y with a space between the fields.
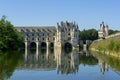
x=90 y=34
x=113 y=31
x=10 y=38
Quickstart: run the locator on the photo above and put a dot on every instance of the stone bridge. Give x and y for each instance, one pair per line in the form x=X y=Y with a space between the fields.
x=65 y=35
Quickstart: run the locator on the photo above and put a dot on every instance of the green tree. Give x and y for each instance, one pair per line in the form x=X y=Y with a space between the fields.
x=10 y=38
x=113 y=31
x=90 y=34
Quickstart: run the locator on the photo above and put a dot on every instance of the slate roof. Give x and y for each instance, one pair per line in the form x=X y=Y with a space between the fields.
x=36 y=28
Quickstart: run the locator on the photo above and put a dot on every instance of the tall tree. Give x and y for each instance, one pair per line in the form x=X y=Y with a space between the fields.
x=10 y=38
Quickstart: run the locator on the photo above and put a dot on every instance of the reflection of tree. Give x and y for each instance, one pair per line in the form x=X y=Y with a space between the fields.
x=113 y=62
x=87 y=60
x=8 y=62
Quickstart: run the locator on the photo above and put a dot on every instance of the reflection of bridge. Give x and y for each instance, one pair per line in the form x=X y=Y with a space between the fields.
x=65 y=63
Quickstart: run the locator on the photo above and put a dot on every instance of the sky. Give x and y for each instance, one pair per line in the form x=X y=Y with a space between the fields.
x=86 y=13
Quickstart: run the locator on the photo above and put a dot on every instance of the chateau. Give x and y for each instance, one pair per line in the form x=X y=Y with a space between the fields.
x=103 y=32
x=64 y=35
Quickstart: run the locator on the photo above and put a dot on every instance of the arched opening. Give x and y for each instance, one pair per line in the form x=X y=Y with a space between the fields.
x=43 y=45
x=68 y=45
x=33 y=45
x=51 y=45
x=84 y=41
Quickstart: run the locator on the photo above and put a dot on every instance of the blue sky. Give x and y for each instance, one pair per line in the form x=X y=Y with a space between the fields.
x=86 y=13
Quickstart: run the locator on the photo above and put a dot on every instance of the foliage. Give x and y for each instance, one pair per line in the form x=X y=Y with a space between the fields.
x=113 y=31
x=10 y=38
x=90 y=34
x=87 y=60
x=111 y=60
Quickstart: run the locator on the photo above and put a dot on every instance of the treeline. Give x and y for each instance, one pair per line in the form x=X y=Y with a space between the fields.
x=90 y=34
x=10 y=38
x=113 y=31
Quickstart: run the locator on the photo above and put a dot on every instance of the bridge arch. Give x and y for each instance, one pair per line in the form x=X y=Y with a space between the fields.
x=33 y=45
x=68 y=45
x=43 y=45
x=51 y=45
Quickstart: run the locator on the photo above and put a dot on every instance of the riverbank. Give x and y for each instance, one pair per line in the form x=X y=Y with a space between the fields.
x=105 y=52
x=107 y=46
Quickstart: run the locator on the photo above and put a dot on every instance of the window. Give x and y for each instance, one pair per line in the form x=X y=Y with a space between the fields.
x=22 y=30
x=69 y=29
x=53 y=38
x=68 y=34
x=43 y=38
x=48 y=39
x=32 y=38
x=32 y=34
x=26 y=38
x=27 y=34
x=43 y=34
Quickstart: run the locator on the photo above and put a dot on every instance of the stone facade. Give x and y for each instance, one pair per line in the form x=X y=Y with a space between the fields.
x=103 y=32
x=65 y=33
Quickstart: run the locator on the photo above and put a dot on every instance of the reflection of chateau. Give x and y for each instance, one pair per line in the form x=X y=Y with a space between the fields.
x=103 y=66
x=65 y=34
x=65 y=63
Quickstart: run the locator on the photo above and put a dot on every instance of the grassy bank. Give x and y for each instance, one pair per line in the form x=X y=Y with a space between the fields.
x=109 y=46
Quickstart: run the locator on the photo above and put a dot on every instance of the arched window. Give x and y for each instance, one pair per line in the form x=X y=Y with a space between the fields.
x=53 y=38
x=68 y=34
x=69 y=29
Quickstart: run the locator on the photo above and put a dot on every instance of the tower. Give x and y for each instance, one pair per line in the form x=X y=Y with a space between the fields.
x=67 y=33
x=103 y=32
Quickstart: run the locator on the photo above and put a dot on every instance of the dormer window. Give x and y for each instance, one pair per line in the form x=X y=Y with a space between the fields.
x=68 y=34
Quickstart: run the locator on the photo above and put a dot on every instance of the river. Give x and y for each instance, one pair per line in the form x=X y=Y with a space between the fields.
x=57 y=65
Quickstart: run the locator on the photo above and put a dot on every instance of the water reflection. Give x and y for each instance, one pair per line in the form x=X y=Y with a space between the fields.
x=8 y=63
x=107 y=61
x=104 y=67
x=65 y=62
x=57 y=60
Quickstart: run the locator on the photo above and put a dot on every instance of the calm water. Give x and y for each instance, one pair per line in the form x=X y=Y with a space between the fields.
x=57 y=65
